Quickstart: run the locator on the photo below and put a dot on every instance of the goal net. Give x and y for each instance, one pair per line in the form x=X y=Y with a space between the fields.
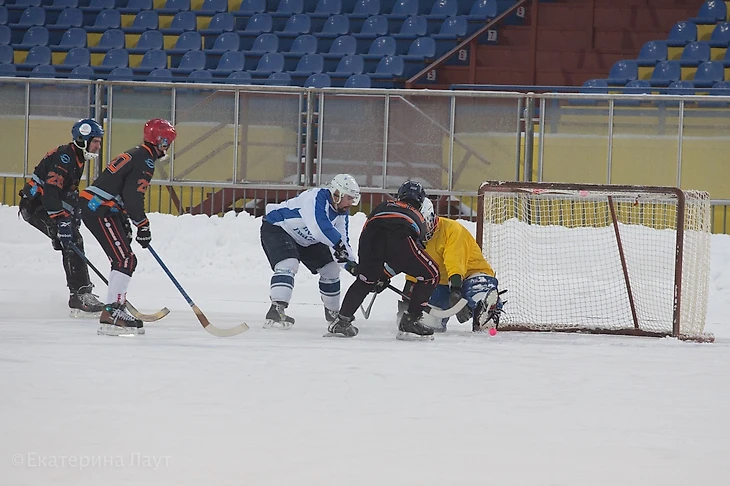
x=606 y=259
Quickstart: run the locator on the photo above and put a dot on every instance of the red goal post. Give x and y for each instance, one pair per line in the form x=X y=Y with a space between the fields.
x=607 y=259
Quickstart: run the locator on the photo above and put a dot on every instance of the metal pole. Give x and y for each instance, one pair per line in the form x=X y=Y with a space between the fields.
x=320 y=136
x=518 y=131
x=610 y=140
x=173 y=115
x=236 y=114
x=308 y=136
x=529 y=135
x=680 y=135
x=386 y=123
x=27 y=129
x=452 y=136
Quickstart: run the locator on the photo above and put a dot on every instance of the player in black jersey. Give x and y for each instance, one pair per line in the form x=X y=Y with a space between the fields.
x=391 y=242
x=49 y=202
x=108 y=205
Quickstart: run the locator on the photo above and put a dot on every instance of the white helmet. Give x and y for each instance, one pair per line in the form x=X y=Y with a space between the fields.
x=344 y=185
x=430 y=216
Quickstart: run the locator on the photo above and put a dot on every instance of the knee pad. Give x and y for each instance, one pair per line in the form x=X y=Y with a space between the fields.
x=477 y=286
x=329 y=273
x=288 y=266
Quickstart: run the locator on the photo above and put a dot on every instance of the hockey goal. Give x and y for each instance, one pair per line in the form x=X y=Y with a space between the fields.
x=605 y=259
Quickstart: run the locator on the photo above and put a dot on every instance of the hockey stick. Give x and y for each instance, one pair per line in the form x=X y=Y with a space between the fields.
x=155 y=316
x=433 y=310
x=215 y=331
x=366 y=311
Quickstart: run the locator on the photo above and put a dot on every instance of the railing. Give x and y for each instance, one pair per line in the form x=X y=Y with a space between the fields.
x=240 y=147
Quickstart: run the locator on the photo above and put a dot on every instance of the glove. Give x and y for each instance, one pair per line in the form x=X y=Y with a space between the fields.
x=128 y=230
x=341 y=253
x=64 y=230
x=382 y=284
x=144 y=237
x=351 y=268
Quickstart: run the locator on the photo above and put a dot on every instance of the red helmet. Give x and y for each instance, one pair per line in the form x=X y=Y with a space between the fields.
x=159 y=132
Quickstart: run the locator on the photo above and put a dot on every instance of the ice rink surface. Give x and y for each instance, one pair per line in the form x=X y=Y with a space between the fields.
x=178 y=406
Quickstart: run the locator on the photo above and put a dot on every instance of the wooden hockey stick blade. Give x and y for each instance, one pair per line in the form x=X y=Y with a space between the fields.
x=217 y=331
x=366 y=311
x=441 y=313
x=155 y=316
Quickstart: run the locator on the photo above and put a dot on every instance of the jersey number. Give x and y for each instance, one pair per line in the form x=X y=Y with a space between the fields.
x=142 y=187
x=55 y=180
x=119 y=162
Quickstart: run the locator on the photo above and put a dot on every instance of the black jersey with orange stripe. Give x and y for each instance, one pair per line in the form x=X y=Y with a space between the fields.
x=398 y=217
x=56 y=179
x=123 y=184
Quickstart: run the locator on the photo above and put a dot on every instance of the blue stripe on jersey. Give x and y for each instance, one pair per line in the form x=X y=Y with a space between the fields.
x=279 y=215
x=321 y=215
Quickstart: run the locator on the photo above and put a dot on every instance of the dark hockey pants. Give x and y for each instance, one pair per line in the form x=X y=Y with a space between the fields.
x=402 y=254
x=77 y=273
x=114 y=234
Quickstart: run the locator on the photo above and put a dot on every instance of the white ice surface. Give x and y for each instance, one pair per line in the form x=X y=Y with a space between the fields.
x=181 y=407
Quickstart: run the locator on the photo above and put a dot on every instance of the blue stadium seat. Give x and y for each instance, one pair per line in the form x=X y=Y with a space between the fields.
x=27 y=3
x=102 y=4
x=278 y=79
x=403 y=9
x=287 y=8
x=622 y=72
x=146 y=20
x=6 y=54
x=107 y=19
x=162 y=75
x=78 y=56
x=32 y=16
x=665 y=72
x=682 y=33
x=111 y=39
x=271 y=62
x=416 y=26
x=265 y=43
x=480 y=12
x=421 y=51
x=381 y=47
x=307 y=65
x=246 y=10
x=188 y=41
x=323 y=11
x=452 y=31
x=721 y=89
x=376 y=25
x=70 y=17
x=298 y=24
x=8 y=70
x=3 y=15
x=711 y=12
x=318 y=80
x=221 y=22
x=366 y=8
x=189 y=62
x=200 y=76
x=135 y=6
x=651 y=53
x=114 y=58
x=336 y=24
x=212 y=7
x=708 y=73
x=304 y=44
x=82 y=72
x=239 y=77
x=43 y=71
x=5 y=35
x=637 y=86
x=73 y=37
x=149 y=40
x=720 y=36
x=358 y=81
x=260 y=23
x=227 y=41
x=389 y=68
x=35 y=36
x=229 y=62
x=342 y=46
x=695 y=53
x=121 y=74
x=151 y=60
x=591 y=86
x=347 y=66
x=184 y=21
x=37 y=55
x=440 y=11
x=174 y=7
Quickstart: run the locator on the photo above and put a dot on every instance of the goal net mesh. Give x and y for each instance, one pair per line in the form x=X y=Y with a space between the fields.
x=599 y=258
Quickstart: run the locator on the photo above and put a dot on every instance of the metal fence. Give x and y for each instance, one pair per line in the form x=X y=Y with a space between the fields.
x=239 y=147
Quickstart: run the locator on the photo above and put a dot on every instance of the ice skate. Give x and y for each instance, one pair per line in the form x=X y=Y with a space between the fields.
x=115 y=320
x=330 y=315
x=85 y=304
x=342 y=327
x=276 y=318
x=410 y=328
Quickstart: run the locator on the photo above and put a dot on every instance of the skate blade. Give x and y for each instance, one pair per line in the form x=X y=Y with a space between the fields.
x=491 y=300
x=80 y=314
x=111 y=330
x=409 y=336
x=337 y=335
x=283 y=326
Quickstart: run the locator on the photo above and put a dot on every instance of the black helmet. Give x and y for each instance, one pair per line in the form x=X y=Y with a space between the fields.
x=413 y=192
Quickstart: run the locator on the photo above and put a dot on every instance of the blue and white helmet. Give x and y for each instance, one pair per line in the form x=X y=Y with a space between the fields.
x=430 y=216
x=344 y=185
x=83 y=132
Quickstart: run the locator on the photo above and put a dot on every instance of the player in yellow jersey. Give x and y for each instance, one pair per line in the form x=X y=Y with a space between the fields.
x=464 y=273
